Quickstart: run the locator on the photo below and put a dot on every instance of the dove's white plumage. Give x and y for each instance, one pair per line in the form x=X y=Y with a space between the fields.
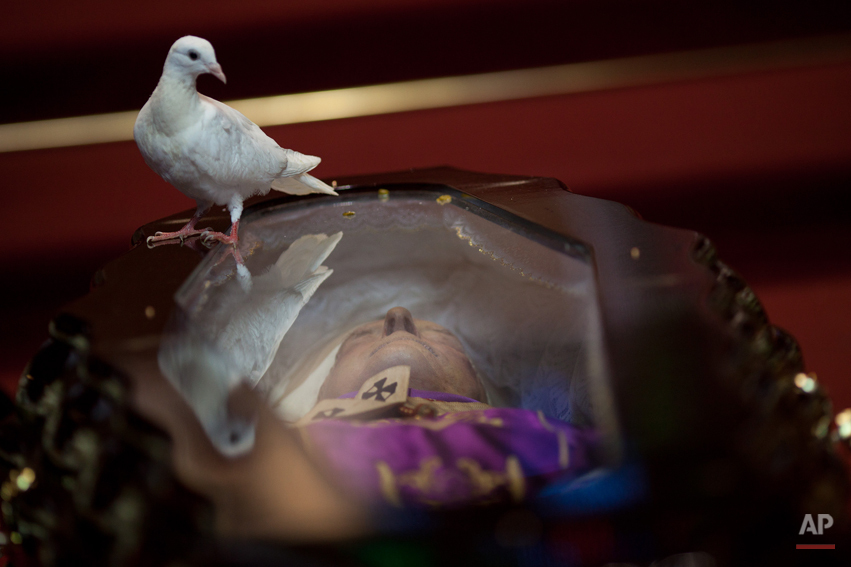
x=208 y=150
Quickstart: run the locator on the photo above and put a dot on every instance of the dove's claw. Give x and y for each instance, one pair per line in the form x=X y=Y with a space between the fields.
x=210 y=237
x=180 y=235
x=151 y=243
x=233 y=239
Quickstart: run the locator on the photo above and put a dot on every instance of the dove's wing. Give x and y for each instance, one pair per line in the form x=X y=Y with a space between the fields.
x=253 y=332
x=234 y=151
x=301 y=260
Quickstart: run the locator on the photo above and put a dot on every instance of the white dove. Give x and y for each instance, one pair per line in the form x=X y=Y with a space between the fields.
x=209 y=151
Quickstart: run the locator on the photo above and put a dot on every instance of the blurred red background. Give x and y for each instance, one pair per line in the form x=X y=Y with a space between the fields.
x=759 y=162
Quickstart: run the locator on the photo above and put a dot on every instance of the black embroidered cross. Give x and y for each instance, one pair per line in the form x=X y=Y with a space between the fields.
x=328 y=413
x=379 y=390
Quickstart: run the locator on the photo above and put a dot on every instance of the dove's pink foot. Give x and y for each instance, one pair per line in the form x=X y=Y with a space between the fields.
x=210 y=237
x=232 y=239
x=232 y=250
x=182 y=234
x=187 y=231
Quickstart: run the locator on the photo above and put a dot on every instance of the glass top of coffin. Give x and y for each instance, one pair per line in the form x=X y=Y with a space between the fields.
x=520 y=299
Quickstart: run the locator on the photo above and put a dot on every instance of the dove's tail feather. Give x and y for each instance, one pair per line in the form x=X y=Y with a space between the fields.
x=302 y=184
x=298 y=162
x=303 y=258
x=317 y=184
x=308 y=286
x=295 y=180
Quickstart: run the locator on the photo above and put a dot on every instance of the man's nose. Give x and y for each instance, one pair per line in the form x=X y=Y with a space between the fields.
x=399 y=319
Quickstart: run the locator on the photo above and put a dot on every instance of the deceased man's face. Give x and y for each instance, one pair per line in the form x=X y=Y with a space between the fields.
x=437 y=359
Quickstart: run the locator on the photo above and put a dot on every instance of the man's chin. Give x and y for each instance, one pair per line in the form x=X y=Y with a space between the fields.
x=424 y=370
x=428 y=372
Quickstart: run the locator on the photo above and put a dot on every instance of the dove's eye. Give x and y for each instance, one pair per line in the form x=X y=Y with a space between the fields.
x=193 y=55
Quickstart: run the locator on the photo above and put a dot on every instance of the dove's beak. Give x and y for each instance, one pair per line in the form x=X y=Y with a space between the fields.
x=216 y=70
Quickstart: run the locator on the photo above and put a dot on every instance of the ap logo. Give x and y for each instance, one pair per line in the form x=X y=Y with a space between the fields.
x=809 y=526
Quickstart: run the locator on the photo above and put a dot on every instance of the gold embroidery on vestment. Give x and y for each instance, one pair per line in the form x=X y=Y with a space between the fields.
x=563 y=450
x=561 y=439
x=421 y=479
x=484 y=484
x=436 y=423
x=516 y=481
x=387 y=481
x=545 y=423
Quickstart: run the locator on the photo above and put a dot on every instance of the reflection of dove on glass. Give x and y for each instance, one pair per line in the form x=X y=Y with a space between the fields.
x=208 y=150
x=235 y=339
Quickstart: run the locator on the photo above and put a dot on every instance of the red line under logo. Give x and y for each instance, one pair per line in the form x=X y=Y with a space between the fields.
x=815 y=546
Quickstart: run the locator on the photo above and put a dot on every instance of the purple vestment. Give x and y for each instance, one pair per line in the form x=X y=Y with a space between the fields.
x=457 y=458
